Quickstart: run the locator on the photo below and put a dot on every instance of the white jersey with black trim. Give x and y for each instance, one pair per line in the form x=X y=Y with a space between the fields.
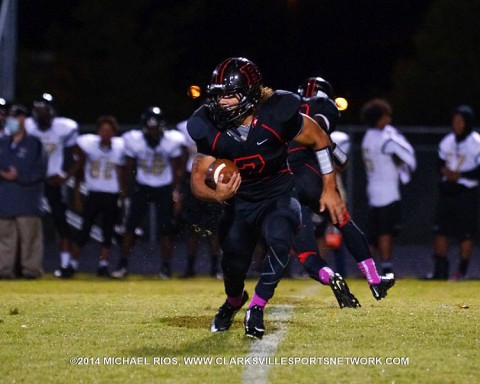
x=379 y=146
x=62 y=134
x=100 y=165
x=461 y=157
x=153 y=164
x=189 y=144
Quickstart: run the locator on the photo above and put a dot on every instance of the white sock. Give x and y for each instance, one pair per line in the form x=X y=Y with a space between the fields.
x=74 y=264
x=65 y=258
x=103 y=263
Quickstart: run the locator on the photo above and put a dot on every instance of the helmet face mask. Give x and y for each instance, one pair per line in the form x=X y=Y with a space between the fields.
x=316 y=87
x=43 y=110
x=234 y=76
x=153 y=123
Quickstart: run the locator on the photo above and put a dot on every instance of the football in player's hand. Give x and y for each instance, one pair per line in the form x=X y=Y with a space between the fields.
x=220 y=167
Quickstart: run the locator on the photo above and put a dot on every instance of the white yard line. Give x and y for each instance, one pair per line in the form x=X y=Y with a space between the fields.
x=266 y=347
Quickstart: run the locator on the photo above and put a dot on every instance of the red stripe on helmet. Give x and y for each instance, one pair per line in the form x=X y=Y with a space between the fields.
x=221 y=69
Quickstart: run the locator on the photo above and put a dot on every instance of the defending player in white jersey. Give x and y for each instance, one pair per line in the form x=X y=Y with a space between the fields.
x=457 y=208
x=102 y=158
x=389 y=160
x=56 y=134
x=155 y=157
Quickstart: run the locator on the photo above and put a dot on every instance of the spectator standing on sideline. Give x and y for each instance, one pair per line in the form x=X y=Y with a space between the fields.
x=58 y=135
x=154 y=155
x=23 y=166
x=457 y=208
x=102 y=159
x=389 y=160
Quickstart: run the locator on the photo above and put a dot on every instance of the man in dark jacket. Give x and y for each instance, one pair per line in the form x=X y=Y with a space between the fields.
x=23 y=165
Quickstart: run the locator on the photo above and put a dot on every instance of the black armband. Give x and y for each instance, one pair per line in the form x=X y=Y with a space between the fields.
x=339 y=156
x=325 y=160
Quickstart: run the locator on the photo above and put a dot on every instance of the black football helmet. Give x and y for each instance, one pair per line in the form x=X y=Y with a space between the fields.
x=316 y=86
x=153 y=124
x=43 y=110
x=235 y=75
x=3 y=106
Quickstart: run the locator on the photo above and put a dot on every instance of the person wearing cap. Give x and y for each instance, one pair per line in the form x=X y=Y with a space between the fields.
x=23 y=166
x=456 y=214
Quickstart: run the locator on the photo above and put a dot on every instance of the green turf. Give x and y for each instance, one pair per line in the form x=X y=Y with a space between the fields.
x=432 y=326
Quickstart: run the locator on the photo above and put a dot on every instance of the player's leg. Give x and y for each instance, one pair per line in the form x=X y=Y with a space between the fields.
x=443 y=227
x=140 y=201
x=316 y=266
x=109 y=218
x=91 y=211
x=58 y=211
x=164 y=207
x=279 y=223
x=377 y=224
x=466 y=225
x=237 y=240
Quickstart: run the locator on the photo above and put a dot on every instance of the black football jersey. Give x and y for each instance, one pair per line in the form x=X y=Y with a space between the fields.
x=311 y=106
x=262 y=157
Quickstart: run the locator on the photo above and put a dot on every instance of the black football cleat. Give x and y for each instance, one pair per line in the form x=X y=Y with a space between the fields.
x=342 y=293
x=379 y=291
x=64 y=273
x=103 y=271
x=253 y=322
x=226 y=313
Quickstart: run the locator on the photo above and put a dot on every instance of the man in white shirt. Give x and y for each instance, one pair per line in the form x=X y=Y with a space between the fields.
x=388 y=159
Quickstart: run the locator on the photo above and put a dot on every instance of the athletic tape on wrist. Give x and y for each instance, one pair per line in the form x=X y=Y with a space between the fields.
x=324 y=158
x=339 y=156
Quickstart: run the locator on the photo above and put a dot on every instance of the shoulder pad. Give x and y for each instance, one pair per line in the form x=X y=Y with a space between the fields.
x=197 y=124
x=283 y=105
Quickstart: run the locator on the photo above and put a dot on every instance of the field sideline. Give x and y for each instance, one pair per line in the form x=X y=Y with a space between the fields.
x=151 y=331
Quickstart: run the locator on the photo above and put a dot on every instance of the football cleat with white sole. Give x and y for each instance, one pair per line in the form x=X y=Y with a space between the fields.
x=379 y=291
x=226 y=313
x=120 y=273
x=253 y=322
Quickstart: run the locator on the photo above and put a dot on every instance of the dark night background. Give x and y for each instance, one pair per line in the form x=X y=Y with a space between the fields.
x=119 y=57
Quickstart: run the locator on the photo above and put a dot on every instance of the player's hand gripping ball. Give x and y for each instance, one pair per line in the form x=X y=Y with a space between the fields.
x=220 y=167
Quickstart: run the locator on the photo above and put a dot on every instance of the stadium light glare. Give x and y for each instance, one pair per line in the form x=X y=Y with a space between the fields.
x=342 y=103
x=194 y=91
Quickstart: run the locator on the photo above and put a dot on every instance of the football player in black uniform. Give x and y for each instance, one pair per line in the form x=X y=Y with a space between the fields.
x=317 y=102
x=251 y=125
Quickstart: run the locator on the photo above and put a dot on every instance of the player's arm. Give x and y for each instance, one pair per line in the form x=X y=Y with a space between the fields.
x=201 y=191
x=312 y=135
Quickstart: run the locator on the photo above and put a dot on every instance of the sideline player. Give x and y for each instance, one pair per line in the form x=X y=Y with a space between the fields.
x=389 y=160
x=317 y=102
x=457 y=208
x=251 y=124
x=102 y=159
x=57 y=134
x=154 y=157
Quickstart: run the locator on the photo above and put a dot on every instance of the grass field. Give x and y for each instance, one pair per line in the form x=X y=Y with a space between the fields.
x=144 y=330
